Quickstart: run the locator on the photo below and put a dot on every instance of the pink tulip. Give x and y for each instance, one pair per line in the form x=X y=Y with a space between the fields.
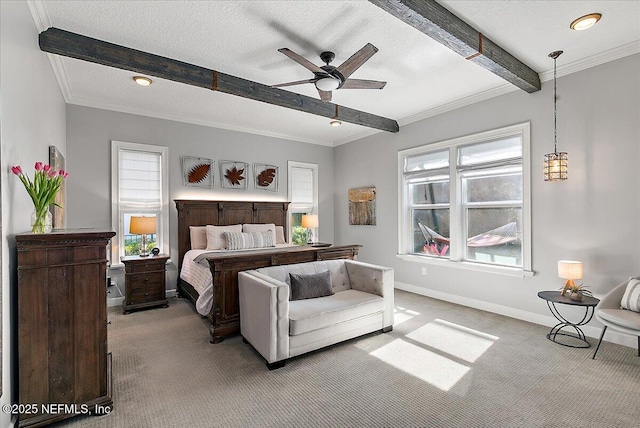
x=62 y=173
x=16 y=170
x=39 y=166
x=52 y=173
x=46 y=167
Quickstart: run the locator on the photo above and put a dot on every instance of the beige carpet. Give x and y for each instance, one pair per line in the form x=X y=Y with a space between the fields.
x=443 y=366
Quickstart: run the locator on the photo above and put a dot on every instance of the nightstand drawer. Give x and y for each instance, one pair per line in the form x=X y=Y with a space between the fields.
x=146 y=280
x=146 y=295
x=147 y=266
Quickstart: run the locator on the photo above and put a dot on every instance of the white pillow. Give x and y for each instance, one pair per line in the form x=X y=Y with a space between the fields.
x=248 y=228
x=280 y=235
x=198 y=237
x=215 y=241
x=631 y=297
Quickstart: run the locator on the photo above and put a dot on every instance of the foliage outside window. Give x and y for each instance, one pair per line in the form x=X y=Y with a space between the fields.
x=466 y=200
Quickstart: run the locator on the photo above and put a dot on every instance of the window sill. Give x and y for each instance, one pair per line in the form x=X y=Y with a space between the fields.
x=478 y=267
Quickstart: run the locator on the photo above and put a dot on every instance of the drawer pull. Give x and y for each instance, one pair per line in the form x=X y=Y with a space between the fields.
x=146 y=280
x=146 y=294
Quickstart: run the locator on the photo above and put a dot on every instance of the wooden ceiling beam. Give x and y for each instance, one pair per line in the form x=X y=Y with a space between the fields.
x=72 y=45
x=434 y=20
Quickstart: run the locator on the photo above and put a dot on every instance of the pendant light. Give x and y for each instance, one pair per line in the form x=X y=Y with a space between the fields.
x=555 y=164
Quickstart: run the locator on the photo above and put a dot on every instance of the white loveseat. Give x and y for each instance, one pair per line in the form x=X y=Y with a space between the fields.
x=280 y=329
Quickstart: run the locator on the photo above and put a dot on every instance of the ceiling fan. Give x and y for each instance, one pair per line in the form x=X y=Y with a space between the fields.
x=328 y=78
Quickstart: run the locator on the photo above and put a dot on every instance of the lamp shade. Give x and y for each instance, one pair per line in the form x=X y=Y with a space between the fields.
x=309 y=221
x=569 y=269
x=142 y=225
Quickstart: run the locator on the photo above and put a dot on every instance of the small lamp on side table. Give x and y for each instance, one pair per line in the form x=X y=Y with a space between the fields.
x=569 y=270
x=142 y=226
x=310 y=222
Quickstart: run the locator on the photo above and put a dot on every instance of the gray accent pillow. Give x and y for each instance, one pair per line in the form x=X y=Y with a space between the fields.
x=310 y=286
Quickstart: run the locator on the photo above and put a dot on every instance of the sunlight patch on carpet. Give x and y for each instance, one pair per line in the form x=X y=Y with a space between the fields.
x=401 y=315
x=430 y=367
x=456 y=340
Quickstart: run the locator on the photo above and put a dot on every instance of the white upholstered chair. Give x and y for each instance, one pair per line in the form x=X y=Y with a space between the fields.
x=608 y=312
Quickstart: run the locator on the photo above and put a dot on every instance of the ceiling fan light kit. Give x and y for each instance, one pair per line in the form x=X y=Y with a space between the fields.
x=586 y=21
x=328 y=78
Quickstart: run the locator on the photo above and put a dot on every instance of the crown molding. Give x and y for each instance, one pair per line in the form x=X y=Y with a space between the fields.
x=39 y=14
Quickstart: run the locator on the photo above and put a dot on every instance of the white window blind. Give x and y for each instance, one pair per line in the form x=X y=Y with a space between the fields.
x=140 y=180
x=302 y=189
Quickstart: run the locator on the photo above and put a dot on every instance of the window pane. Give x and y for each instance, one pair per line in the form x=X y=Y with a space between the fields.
x=427 y=161
x=298 y=233
x=506 y=148
x=494 y=235
x=507 y=187
x=430 y=193
x=433 y=237
x=132 y=242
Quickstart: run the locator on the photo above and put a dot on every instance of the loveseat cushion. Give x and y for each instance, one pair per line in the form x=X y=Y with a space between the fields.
x=313 y=314
x=310 y=286
x=622 y=317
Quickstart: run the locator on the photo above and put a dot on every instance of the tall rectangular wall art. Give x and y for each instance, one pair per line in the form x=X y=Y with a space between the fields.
x=362 y=206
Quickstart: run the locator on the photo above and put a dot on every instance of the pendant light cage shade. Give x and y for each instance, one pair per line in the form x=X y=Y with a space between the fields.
x=555 y=166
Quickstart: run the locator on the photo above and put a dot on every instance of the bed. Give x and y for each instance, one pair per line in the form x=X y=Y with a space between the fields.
x=219 y=286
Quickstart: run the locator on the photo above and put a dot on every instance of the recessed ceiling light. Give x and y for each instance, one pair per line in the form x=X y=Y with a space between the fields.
x=585 y=22
x=142 y=81
x=335 y=123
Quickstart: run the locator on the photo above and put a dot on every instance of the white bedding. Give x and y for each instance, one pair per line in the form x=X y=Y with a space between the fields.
x=199 y=275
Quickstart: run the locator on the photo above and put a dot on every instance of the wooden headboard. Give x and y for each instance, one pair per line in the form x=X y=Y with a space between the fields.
x=224 y=213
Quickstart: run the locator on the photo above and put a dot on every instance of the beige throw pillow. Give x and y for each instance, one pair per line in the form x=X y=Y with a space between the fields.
x=198 y=237
x=215 y=241
x=280 y=235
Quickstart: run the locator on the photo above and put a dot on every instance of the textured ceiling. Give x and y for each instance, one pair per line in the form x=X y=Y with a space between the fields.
x=242 y=38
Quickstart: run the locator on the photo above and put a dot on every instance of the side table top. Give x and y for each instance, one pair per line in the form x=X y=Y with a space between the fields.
x=556 y=297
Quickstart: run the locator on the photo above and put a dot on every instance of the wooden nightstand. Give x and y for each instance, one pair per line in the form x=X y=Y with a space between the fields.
x=144 y=282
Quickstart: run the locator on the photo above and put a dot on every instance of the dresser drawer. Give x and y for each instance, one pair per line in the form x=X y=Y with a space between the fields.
x=144 y=280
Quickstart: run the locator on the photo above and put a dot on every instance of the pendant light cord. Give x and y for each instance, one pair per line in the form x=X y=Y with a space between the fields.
x=555 y=108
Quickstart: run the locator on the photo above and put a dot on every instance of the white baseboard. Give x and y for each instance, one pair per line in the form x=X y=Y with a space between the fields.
x=550 y=321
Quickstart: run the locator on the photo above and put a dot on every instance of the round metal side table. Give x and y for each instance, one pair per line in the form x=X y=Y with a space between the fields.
x=589 y=303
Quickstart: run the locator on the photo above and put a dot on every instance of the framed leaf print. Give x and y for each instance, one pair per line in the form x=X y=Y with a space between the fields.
x=197 y=172
x=265 y=177
x=233 y=174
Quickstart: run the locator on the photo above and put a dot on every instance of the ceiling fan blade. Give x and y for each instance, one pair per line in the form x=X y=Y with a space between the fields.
x=356 y=60
x=302 y=61
x=299 y=82
x=362 y=84
x=325 y=95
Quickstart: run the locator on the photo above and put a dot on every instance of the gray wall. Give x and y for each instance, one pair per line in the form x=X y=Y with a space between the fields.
x=89 y=135
x=592 y=217
x=32 y=114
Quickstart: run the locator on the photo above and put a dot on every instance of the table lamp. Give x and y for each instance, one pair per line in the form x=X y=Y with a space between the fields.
x=310 y=222
x=142 y=226
x=569 y=270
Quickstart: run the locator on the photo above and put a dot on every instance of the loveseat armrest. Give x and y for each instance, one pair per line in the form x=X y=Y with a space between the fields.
x=264 y=314
x=373 y=279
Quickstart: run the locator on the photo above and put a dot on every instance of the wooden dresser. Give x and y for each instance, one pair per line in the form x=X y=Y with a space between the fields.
x=64 y=369
x=145 y=284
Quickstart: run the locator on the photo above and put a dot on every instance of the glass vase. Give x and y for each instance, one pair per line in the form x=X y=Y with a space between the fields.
x=41 y=221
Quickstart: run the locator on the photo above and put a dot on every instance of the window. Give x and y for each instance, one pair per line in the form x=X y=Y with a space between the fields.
x=303 y=195
x=466 y=201
x=139 y=187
